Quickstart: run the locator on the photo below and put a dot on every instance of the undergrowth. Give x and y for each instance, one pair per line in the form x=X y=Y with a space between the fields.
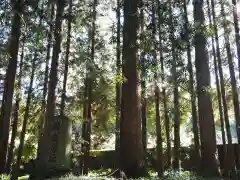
x=4 y=177
x=168 y=175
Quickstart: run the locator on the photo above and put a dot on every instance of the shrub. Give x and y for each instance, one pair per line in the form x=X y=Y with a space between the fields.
x=4 y=177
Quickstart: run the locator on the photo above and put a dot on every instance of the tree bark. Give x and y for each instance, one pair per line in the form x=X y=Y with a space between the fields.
x=220 y=109
x=118 y=84
x=85 y=119
x=15 y=114
x=46 y=77
x=217 y=66
x=69 y=27
x=89 y=91
x=236 y=28
x=49 y=46
x=84 y=124
x=206 y=119
x=51 y=128
x=166 y=117
x=192 y=93
x=143 y=85
x=160 y=168
x=25 y=120
x=9 y=82
x=157 y=96
x=176 y=161
x=232 y=76
x=131 y=150
x=228 y=158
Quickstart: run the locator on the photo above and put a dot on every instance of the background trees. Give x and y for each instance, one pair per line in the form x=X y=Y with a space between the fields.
x=124 y=75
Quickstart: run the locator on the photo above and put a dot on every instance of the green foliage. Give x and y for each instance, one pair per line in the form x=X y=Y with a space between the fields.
x=4 y=177
x=175 y=175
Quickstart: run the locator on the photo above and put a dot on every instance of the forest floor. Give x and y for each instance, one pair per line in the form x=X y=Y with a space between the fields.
x=96 y=177
x=149 y=178
x=99 y=175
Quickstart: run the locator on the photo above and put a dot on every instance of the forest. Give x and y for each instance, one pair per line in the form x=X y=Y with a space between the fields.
x=103 y=89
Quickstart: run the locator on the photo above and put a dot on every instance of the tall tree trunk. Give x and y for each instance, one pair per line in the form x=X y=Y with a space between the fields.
x=176 y=162
x=89 y=93
x=9 y=82
x=84 y=126
x=118 y=84
x=25 y=120
x=49 y=46
x=143 y=85
x=166 y=117
x=206 y=118
x=46 y=75
x=232 y=76
x=131 y=150
x=218 y=66
x=85 y=119
x=157 y=96
x=160 y=167
x=231 y=70
x=220 y=109
x=236 y=28
x=69 y=27
x=228 y=158
x=15 y=114
x=51 y=128
x=192 y=93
